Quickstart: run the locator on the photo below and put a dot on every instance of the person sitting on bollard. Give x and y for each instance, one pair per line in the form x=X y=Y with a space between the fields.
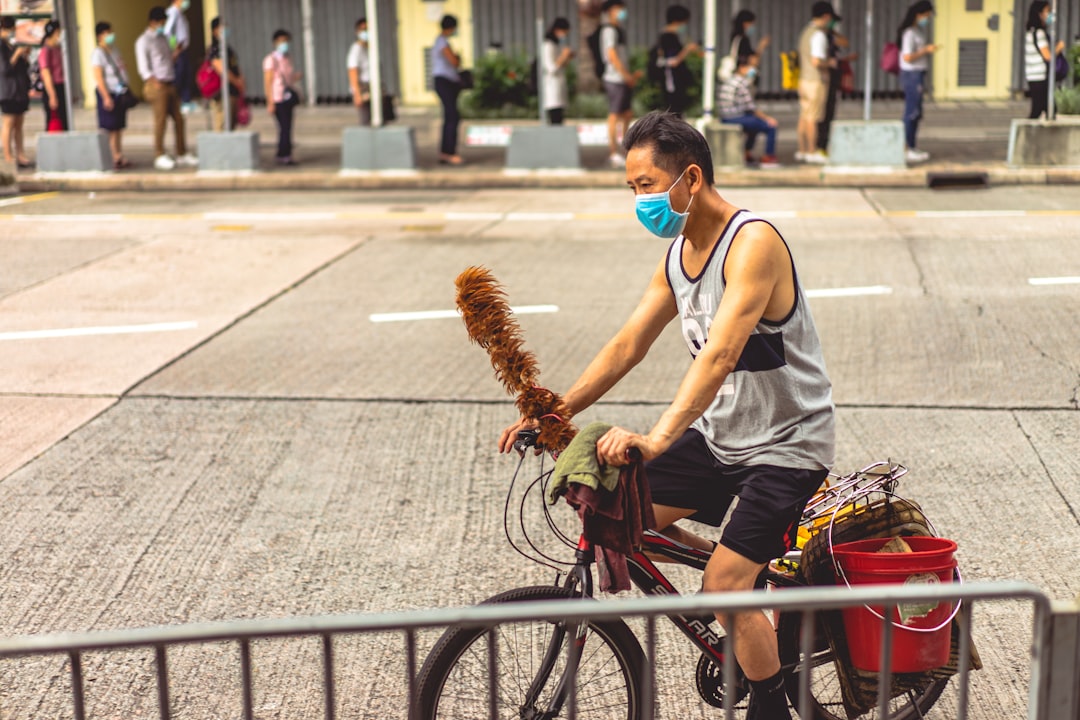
x=737 y=107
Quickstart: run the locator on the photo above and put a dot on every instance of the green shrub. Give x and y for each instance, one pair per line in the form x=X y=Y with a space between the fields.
x=1067 y=100
x=502 y=88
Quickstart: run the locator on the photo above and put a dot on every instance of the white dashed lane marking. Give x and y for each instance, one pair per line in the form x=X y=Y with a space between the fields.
x=95 y=331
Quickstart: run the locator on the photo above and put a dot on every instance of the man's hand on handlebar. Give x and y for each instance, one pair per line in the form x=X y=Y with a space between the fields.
x=510 y=435
x=614 y=447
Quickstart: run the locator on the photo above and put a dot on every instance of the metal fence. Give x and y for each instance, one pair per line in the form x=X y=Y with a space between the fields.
x=1053 y=676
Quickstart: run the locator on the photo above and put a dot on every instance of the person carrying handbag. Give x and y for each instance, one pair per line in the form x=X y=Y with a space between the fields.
x=282 y=97
x=114 y=97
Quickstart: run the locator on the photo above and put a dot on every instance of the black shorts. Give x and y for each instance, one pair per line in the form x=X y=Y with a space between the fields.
x=620 y=97
x=14 y=107
x=765 y=522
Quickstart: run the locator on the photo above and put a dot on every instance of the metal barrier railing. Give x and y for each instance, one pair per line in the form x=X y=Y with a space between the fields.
x=574 y=612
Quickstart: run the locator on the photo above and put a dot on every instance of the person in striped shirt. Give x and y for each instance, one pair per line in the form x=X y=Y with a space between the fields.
x=737 y=107
x=1037 y=56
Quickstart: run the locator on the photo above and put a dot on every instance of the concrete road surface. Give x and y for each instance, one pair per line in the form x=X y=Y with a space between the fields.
x=246 y=406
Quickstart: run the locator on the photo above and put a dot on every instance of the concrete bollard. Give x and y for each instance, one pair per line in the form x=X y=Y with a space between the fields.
x=858 y=143
x=384 y=148
x=236 y=151
x=727 y=145
x=543 y=147
x=1039 y=143
x=74 y=151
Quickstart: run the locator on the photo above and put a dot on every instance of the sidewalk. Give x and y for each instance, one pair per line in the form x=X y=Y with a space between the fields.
x=969 y=137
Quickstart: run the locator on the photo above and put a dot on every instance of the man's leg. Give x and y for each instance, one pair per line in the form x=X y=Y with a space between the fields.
x=612 y=129
x=155 y=94
x=178 y=120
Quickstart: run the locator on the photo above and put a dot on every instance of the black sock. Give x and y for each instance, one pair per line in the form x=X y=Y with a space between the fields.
x=768 y=700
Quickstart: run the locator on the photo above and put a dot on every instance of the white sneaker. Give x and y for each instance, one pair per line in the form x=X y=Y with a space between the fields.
x=617 y=160
x=164 y=162
x=817 y=158
x=188 y=108
x=800 y=157
x=916 y=156
x=188 y=160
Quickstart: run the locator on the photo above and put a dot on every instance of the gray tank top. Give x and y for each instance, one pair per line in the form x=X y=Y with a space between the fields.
x=776 y=407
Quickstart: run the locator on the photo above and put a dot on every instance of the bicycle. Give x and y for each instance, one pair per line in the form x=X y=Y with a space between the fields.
x=535 y=682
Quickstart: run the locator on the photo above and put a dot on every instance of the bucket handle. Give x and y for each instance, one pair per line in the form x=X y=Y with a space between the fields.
x=840 y=571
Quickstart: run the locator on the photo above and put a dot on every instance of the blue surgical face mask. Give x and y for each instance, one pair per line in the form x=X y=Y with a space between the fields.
x=751 y=73
x=656 y=214
x=622 y=15
x=751 y=31
x=924 y=21
x=110 y=38
x=362 y=36
x=1050 y=19
x=159 y=30
x=225 y=33
x=283 y=48
x=682 y=30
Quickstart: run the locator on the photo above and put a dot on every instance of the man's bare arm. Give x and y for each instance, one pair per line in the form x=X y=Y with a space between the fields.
x=655 y=310
x=754 y=268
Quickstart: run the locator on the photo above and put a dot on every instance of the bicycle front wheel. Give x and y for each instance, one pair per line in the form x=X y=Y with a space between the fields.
x=531 y=663
x=826 y=698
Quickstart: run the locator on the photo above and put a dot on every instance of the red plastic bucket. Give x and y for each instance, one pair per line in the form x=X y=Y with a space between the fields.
x=921 y=633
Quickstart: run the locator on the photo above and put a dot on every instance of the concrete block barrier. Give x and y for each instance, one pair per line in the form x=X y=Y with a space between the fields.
x=727 y=145
x=1039 y=143
x=543 y=147
x=860 y=143
x=228 y=151
x=384 y=148
x=75 y=151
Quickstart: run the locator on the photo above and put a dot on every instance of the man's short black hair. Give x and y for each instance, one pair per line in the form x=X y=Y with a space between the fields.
x=102 y=27
x=282 y=33
x=215 y=24
x=7 y=22
x=608 y=4
x=157 y=14
x=678 y=13
x=361 y=21
x=675 y=144
x=448 y=22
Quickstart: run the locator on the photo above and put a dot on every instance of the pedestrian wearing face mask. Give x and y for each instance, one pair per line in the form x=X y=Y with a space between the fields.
x=178 y=31
x=554 y=59
x=445 y=64
x=154 y=58
x=51 y=63
x=1037 y=56
x=676 y=77
x=359 y=66
x=744 y=33
x=753 y=416
x=915 y=54
x=619 y=80
x=218 y=53
x=110 y=82
x=282 y=96
x=737 y=107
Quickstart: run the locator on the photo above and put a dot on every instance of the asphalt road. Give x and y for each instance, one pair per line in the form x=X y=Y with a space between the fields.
x=212 y=410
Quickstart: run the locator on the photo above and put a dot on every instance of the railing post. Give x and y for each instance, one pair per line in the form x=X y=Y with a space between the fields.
x=1060 y=662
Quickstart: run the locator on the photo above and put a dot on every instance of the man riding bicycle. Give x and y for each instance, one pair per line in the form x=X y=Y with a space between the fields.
x=753 y=416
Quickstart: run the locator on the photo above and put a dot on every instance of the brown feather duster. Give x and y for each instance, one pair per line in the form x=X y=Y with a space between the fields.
x=491 y=325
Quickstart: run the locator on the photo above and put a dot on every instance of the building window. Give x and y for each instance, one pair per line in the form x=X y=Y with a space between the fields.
x=974 y=5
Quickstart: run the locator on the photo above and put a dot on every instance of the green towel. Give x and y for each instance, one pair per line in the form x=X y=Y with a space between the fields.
x=578 y=464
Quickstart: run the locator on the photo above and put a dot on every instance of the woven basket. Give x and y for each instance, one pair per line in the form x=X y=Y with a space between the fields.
x=890 y=516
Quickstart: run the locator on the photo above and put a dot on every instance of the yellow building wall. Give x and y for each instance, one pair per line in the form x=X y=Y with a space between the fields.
x=994 y=24
x=418 y=26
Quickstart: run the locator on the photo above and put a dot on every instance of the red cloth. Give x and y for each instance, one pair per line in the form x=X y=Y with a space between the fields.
x=615 y=521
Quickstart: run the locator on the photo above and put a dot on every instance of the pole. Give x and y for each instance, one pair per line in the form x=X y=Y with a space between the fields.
x=310 y=73
x=541 y=69
x=224 y=45
x=65 y=54
x=1051 y=80
x=868 y=73
x=708 y=80
x=374 y=63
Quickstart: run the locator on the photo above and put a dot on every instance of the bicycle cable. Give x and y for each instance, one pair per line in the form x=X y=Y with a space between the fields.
x=540 y=557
